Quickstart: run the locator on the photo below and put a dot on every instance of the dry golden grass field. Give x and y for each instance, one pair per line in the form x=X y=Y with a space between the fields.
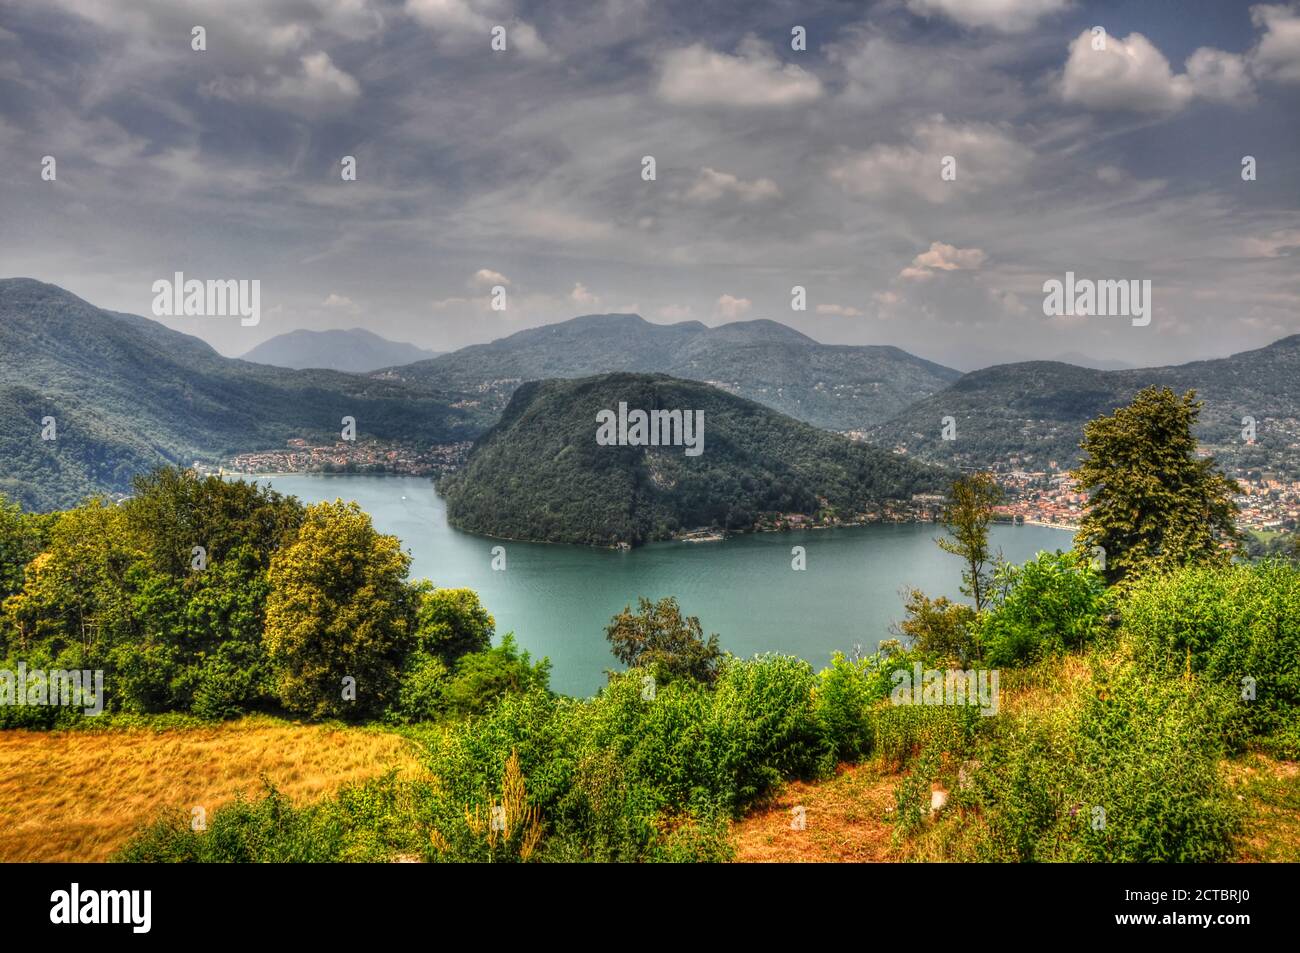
x=79 y=795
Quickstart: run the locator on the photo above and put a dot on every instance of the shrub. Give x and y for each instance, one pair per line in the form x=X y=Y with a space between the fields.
x=1226 y=625
x=1052 y=603
x=1129 y=775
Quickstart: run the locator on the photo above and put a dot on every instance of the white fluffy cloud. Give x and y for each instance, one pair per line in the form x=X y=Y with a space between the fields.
x=731 y=308
x=581 y=296
x=752 y=77
x=1132 y=74
x=943 y=257
x=713 y=185
x=1007 y=16
x=984 y=155
x=1277 y=56
x=338 y=302
x=486 y=278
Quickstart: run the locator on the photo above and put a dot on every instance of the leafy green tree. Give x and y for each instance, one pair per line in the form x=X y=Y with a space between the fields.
x=174 y=510
x=20 y=541
x=939 y=627
x=1054 y=602
x=1154 y=505
x=339 y=608
x=658 y=638
x=966 y=518
x=450 y=623
x=483 y=677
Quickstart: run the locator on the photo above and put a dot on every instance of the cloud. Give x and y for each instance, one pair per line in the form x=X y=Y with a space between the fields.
x=338 y=302
x=839 y=310
x=582 y=296
x=558 y=225
x=486 y=278
x=1220 y=77
x=1006 y=16
x=1277 y=56
x=732 y=308
x=713 y=185
x=942 y=257
x=460 y=24
x=318 y=87
x=984 y=155
x=753 y=77
x=1131 y=74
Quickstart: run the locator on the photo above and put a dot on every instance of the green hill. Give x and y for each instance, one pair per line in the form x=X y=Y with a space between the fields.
x=1035 y=411
x=540 y=474
x=838 y=387
x=128 y=394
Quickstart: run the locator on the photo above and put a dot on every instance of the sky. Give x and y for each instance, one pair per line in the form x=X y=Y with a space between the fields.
x=774 y=167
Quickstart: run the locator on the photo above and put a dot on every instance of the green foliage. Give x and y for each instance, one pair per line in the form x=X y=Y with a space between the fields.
x=971 y=500
x=129 y=394
x=481 y=678
x=1236 y=627
x=339 y=608
x=1154 y=505
x=367 y=822
x=1053 y=603
x=660 y=641
x=1130 y=775
x=450 y=623
x=940 y=628
x=539 y=473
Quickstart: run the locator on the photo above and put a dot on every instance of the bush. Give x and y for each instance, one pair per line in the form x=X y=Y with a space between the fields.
x=1226 y=625
x=1052 y=603
x=1129 y=775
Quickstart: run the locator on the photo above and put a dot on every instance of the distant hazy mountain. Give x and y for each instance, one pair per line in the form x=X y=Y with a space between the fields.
x=540 y=473
x=1036 y=410
x=839 y=387
x=1097 y=363
x=127 y=394
x=356 y=350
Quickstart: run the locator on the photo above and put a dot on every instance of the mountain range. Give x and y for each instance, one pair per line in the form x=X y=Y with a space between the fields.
x=355 y=350
x=838 y=387
x=1032 y=413
x=126 y=394
x=542 y=473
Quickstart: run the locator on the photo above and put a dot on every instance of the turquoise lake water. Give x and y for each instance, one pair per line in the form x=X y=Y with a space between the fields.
x=558 y=599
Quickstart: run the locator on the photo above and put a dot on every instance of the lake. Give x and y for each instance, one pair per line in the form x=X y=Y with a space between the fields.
x=557 y=599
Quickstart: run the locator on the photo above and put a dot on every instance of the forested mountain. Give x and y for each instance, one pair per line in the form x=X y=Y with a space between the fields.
x=838 y=387
x=127 y=394
x=356 y=351
x=540 y=473
x=1035 y=411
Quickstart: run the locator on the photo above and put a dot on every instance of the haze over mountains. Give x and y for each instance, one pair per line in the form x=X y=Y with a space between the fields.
x=355 y=350
x=127 y=394
x=838 y=387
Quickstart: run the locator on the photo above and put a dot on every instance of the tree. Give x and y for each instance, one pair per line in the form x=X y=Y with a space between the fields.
x=1153 y=504
x=339 y=608
x=659 y=639
x=966 y=518
x=939 y=627
x=451 y=623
